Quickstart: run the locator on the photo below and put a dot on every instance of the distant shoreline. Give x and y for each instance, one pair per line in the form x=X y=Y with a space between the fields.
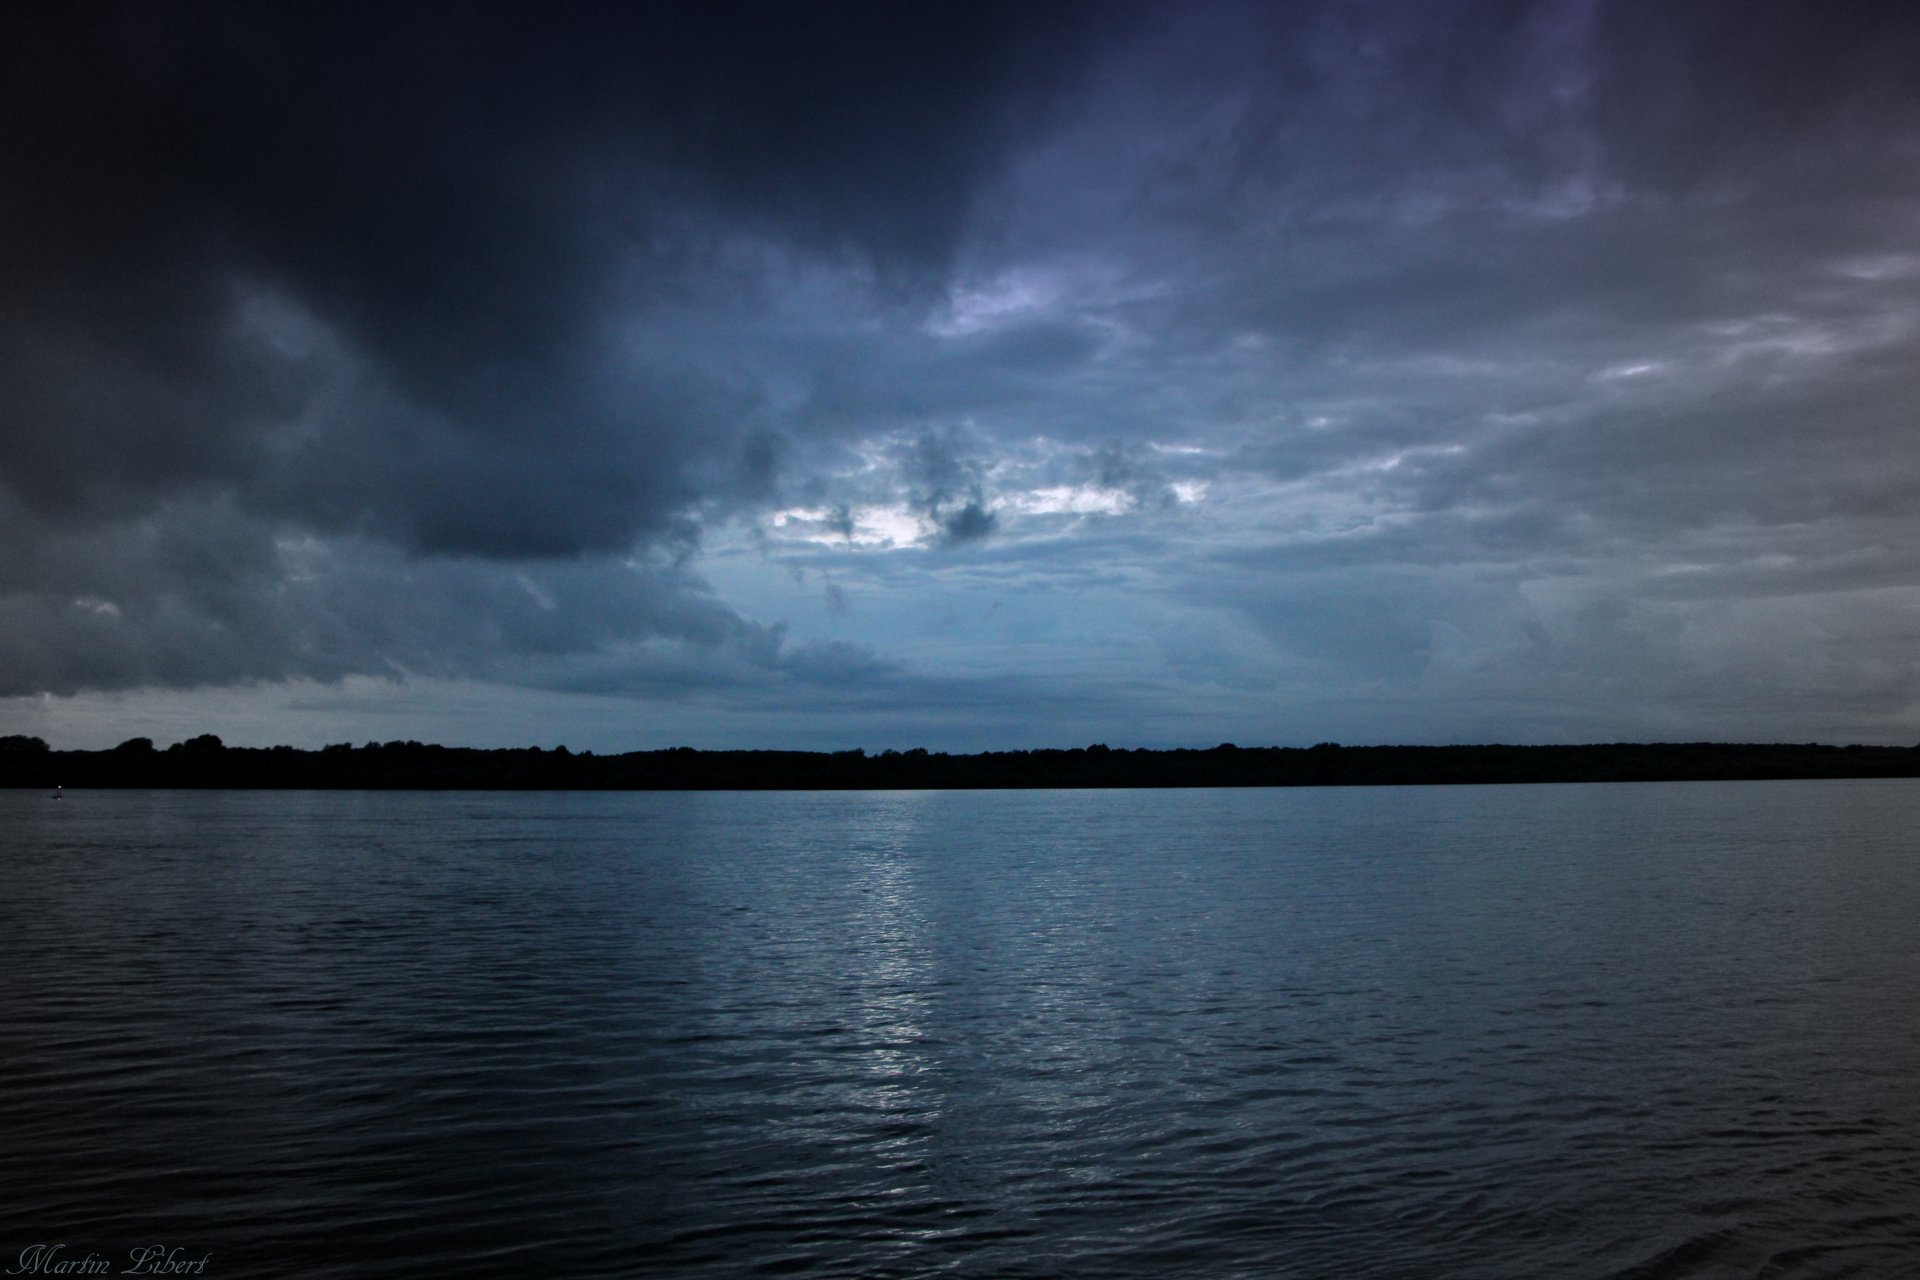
x=204 y=763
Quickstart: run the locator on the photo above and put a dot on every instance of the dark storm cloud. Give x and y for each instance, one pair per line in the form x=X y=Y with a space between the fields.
x=1693 y=96
x=392 y=275
x=459 y=197
x=970 y=523
x=192 y=596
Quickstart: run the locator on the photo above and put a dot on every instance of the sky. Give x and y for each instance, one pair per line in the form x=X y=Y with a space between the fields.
x=960 y=375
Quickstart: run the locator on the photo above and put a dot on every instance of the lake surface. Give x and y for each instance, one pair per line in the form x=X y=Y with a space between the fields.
x=1652 y=1030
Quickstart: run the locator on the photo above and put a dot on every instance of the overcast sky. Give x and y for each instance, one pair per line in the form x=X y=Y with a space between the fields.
x=960 y=375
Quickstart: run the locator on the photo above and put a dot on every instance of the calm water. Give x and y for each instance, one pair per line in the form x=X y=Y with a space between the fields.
x=1605 y=1031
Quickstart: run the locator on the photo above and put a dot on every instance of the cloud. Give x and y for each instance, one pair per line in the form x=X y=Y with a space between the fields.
x=375 y=284
x=201 y=594
x=410 y=301
x=970 y=523
x=946 y=485
x=1380 y=360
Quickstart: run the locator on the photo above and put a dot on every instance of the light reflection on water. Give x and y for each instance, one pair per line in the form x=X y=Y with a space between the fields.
x=1570 y=1031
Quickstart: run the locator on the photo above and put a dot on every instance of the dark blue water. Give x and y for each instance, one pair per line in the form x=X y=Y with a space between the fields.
x=1603 y=1031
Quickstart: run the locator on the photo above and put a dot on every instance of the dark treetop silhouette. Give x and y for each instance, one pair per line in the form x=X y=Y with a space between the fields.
x=206 y=762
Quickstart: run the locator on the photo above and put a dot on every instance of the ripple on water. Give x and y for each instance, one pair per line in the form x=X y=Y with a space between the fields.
x=1603 y=1031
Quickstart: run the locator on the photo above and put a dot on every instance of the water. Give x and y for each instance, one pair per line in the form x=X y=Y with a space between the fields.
x=1599 y=1031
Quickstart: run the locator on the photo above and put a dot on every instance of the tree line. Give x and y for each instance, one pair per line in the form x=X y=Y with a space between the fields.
x=206 y=762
